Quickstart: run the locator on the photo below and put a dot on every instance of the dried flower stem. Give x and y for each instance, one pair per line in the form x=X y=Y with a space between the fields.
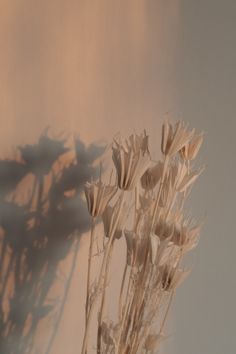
x=89 y=268
x=100 y=313
x=159 y=237
x=166 y=161
x=100 y=281
x=122 y=290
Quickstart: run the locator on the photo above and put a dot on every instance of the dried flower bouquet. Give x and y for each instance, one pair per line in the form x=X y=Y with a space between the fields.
x=146 y=207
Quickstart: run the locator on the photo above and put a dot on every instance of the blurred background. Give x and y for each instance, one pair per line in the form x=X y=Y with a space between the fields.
x=96 y=68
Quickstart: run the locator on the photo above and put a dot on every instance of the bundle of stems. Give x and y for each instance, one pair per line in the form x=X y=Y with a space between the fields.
x=145 y=206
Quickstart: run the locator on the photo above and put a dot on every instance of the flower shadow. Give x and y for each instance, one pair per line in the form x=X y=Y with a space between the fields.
x=37 y=233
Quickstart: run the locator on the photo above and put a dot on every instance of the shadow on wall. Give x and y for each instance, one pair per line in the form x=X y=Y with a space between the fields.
x=42 y=216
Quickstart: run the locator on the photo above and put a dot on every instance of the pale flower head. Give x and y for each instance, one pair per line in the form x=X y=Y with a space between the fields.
x=163 y=251
x=167 y=189
x=171 y=277
x=183 y=233
x=186 y=237
x=164 y=230
x=173 y=139
x=183 y=178
x=136 y=248
x=152 y=176
x=131 y=160
x=113 y=219
x=191 y=149
x=98 y=195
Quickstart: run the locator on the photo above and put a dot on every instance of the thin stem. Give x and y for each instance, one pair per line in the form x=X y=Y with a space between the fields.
x=166 y=161
x=7 y=274
x=122 y=290
x=89 y=269
x=127 y=304
x=100 y=314
x=2 y=256
x=100 y=279
x=167 y=311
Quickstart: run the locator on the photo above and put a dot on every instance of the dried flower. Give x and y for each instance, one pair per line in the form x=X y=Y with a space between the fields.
x=162 y=251
x=186 y=237
x=157 y=238
x=167 y=189
x=109 y=217
x=172 y=277
x=183 y=178
x=135 y=248
x=152 y=176
x=191 y=149
x=98 y=196
x=189 y=179
x=179 y=233
x=174 y=139
x=131 y=160
x=164 y=230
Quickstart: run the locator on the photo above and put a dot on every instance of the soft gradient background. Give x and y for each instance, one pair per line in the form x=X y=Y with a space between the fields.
x=104 y=66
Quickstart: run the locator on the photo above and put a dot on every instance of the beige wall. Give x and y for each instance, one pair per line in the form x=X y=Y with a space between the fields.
x=94 y=67
x=89 y=67
x=99 y=67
